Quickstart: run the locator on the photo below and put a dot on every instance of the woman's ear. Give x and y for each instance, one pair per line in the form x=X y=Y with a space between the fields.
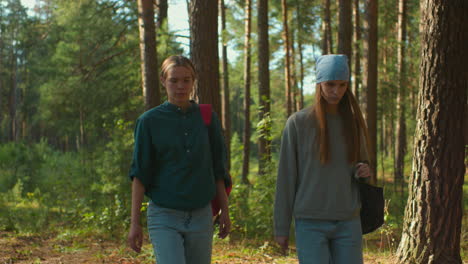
x=162 y=80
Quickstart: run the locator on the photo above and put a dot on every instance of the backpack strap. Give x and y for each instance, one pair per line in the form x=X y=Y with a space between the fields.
x=205 y=110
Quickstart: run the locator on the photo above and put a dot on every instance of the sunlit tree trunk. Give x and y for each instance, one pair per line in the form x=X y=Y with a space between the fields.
x=225 y=95
x=149 y=65
x=263 y=83
x=433 y=214
x=294 y=91
x=247 y=126
x=327 y=40
x=402 y=86
x=371 y=82
x=204 y=50
x=287 y=66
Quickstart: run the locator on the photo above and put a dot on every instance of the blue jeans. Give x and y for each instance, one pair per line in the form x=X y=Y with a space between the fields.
x=180 y=237
x=326 y=241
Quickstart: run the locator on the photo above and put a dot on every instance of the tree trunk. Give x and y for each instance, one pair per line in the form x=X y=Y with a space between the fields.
x=264 y=143
x=357 y=50
x=247 y=127
x=13 y=96
x=345 y=30
x=327 y=40
x=149 y=64
x=162 y=15
x=226 y=117
x=294 y=92
x=287 y=67
x=371 y=82
x=402 y=86
x=204 y=50
x=433 y=214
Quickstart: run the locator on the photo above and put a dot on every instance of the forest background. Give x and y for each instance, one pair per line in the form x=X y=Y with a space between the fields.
x=73 y=82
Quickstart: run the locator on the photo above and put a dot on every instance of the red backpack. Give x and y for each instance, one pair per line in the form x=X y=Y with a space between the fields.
x=205 y=110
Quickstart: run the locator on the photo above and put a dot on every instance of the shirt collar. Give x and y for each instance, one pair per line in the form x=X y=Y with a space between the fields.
x=175 y=108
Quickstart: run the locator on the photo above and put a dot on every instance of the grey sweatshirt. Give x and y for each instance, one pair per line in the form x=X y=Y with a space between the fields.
x=306 y=189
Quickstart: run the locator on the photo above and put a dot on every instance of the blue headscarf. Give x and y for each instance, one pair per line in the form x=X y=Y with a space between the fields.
x=332 y=67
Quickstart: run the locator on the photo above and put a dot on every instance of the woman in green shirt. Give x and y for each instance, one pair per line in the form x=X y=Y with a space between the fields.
x=180 y=164
x=322 y=147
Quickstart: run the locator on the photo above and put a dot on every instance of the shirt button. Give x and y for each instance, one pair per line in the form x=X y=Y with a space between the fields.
x=186 y=133
x=188 y=150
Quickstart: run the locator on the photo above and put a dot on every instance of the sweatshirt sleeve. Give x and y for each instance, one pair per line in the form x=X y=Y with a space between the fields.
x=286 y=180
x=143 y=154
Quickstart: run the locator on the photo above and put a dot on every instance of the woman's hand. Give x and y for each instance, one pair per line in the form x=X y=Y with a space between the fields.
x=224 y=224
x=283 y=242
x=135 y=237
x=363 y=170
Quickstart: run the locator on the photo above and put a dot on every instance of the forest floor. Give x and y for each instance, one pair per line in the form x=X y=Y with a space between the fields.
x=35 y=249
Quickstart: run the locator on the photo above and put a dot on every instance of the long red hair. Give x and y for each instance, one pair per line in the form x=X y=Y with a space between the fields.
x=353 y=123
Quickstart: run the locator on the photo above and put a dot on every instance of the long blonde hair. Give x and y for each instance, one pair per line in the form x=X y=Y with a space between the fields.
x=354 y=122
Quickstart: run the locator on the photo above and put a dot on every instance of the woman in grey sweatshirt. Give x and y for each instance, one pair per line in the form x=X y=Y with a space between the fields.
x=322 y=148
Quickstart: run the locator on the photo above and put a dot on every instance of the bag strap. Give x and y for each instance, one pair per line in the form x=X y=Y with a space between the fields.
x=205 y=110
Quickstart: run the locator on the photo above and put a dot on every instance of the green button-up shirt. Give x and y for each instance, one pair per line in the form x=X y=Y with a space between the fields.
x=173 y=156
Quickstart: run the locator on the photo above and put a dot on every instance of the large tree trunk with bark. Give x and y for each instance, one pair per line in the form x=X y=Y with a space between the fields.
x=287 y=66
x=401 y=104
x=247 y=126
x=226 y=117
x=264 y=143
x=327 y=40
x=149 y=64
x=204 y=51
x=433 y=214
x=371 y=82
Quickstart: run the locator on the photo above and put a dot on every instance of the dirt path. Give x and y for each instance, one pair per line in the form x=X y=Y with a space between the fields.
x=15 y=249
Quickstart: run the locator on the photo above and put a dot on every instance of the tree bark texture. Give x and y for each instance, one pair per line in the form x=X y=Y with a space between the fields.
x=149 y=64
x=247 y=59
x=204 y=51
x=264 y=142
x=433 y=214
x=401 y=104
x=345 y=29
x=226 y=114
x=327 y=41
x=287 y=67
x=372 y=82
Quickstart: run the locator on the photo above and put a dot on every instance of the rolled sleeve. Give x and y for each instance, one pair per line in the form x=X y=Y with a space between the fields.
x=143 y=154
x=286 y=180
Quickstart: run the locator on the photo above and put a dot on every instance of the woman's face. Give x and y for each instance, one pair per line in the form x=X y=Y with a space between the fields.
x=179 y=85
x=333 y=91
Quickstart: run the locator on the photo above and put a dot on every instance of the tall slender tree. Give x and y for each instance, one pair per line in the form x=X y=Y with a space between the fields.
x=264 y=143
x=162 y=15
x=345 y=29
x=204 y=50
x=433 y=214
x=287 y=66
x=149 y=64
x=356 y=50
x=401 y=102
x=327 y=40
x=371 y=82
x=226 y=115
x=247 y=59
